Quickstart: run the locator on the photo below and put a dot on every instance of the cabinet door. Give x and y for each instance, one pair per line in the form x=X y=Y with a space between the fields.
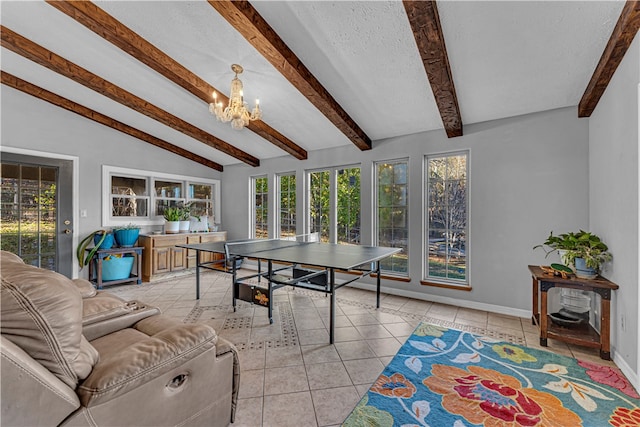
x=161 y=260
x=210 y=256
x=178 y=259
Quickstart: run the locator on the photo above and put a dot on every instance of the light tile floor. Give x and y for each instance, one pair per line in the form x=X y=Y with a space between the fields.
x=290 y=374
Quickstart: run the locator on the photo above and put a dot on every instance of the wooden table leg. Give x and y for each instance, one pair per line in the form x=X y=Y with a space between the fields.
x=605 y=349
x=543 y=318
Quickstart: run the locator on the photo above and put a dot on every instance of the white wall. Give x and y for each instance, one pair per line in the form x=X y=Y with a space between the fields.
x=28 y=123
x=528 y=176
x=613 y=199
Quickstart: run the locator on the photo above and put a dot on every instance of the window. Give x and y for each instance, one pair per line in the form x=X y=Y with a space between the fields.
x=287 y=205
x=392 y=225
x=129 y=197
x=339 y=187
x=141 y=197
x=319 y=190
x=348 y=206
x=446 y=218
x=260 y=225
x=168 y=194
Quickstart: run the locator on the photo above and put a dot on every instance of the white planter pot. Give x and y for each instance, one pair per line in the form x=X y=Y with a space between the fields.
x=184 y=226
x=171 y=227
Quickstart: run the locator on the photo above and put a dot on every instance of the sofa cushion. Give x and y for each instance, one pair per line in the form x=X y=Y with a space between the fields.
x=41 y=312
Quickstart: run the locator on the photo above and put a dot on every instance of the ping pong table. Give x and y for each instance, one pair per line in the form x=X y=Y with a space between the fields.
x=311 y=265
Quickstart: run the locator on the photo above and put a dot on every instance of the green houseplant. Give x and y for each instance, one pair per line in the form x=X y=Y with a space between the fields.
x=582 y=249
x=98 y=237
x=172 y=216
x=561 y=243
x=588 y=255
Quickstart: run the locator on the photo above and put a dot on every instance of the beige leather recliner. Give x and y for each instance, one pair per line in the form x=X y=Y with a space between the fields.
x=72 y=356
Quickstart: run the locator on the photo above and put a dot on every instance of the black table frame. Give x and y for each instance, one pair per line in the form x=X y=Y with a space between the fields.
x=276 y=281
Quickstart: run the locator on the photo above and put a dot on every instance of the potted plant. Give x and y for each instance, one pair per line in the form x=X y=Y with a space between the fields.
x=560 y=243
x=588 y=255
x=172 y=216
x=126 y=235
x=185 y=215
x=102 y=239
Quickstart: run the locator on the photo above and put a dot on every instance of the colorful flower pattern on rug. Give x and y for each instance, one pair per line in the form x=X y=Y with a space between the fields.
x=445 y=377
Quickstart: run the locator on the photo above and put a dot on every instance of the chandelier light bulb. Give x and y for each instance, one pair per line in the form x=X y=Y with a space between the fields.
x=236 y=111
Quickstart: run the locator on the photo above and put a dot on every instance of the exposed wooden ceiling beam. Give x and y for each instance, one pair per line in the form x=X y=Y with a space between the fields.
x=112 y=30
x=30 y=50
x=623 y=34
x=57 y=100
x=248 y=22
x=425 y=24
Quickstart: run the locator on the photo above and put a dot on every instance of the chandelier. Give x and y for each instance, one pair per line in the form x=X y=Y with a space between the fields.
x=236 y=112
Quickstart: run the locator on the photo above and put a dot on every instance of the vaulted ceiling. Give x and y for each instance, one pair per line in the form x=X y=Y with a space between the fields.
x=328 y=74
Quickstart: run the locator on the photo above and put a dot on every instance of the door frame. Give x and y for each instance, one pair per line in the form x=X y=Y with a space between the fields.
x=74 y=196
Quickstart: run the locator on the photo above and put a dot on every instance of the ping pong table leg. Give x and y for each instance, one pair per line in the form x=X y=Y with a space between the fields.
x=377 y=284
x=235 y=289
x=197 y=274
x=332 y=309
x=270 y=291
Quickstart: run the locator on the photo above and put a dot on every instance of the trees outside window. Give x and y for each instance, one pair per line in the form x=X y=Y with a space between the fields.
x=260 y=225
x=392 y=223
x=446 y=215
x=334 y=204
x=319 y=192
x=348 y=206
x=287 y=205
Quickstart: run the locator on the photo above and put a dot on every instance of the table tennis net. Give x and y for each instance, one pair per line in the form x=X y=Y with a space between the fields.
x=248 y=248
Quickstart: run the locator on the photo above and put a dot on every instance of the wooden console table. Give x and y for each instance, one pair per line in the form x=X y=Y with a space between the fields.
x=95 y=266
x=584 y=335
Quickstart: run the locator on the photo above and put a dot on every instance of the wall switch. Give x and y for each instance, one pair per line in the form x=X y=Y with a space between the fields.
x=623 y=323
x=83 y=213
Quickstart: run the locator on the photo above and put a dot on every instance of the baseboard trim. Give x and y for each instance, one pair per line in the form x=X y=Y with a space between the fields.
x=498 y=309
x=632 y=376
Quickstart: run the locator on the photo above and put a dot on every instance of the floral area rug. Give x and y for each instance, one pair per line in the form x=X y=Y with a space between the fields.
x=446 y=377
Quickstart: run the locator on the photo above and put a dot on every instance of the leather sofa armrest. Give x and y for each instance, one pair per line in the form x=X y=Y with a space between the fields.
x=86 y=288
x=31 y=395
x=132 y=357
x=105 y=313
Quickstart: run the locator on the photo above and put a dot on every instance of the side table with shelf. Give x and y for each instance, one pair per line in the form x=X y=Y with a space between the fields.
x=95 y=266
x=584 y=335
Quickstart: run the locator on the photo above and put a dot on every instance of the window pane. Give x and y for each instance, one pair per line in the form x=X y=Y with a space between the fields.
x=319 y=204
x=261 y=208
x=348 y=220
x=287 y=223
x=129 y=197
x=168 y=189
x=447 y=218
x=392 y=220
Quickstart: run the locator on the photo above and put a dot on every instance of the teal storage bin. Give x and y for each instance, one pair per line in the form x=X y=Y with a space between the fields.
x=114 y=268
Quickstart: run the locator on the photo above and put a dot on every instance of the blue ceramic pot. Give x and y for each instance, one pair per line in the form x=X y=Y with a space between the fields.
x=583 y=271
x=107 y=243
x=126 y=237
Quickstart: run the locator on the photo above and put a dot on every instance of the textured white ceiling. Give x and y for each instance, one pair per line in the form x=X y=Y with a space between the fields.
x=507 y=59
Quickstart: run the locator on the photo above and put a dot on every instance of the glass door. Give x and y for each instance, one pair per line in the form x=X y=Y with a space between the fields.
x=36 y=211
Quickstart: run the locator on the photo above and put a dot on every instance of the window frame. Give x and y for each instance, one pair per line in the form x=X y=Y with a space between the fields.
x=376 y=214
x=153 y=218
x=438 y=280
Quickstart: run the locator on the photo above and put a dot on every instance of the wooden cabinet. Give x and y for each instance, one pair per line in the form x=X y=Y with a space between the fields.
x=162 y=256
